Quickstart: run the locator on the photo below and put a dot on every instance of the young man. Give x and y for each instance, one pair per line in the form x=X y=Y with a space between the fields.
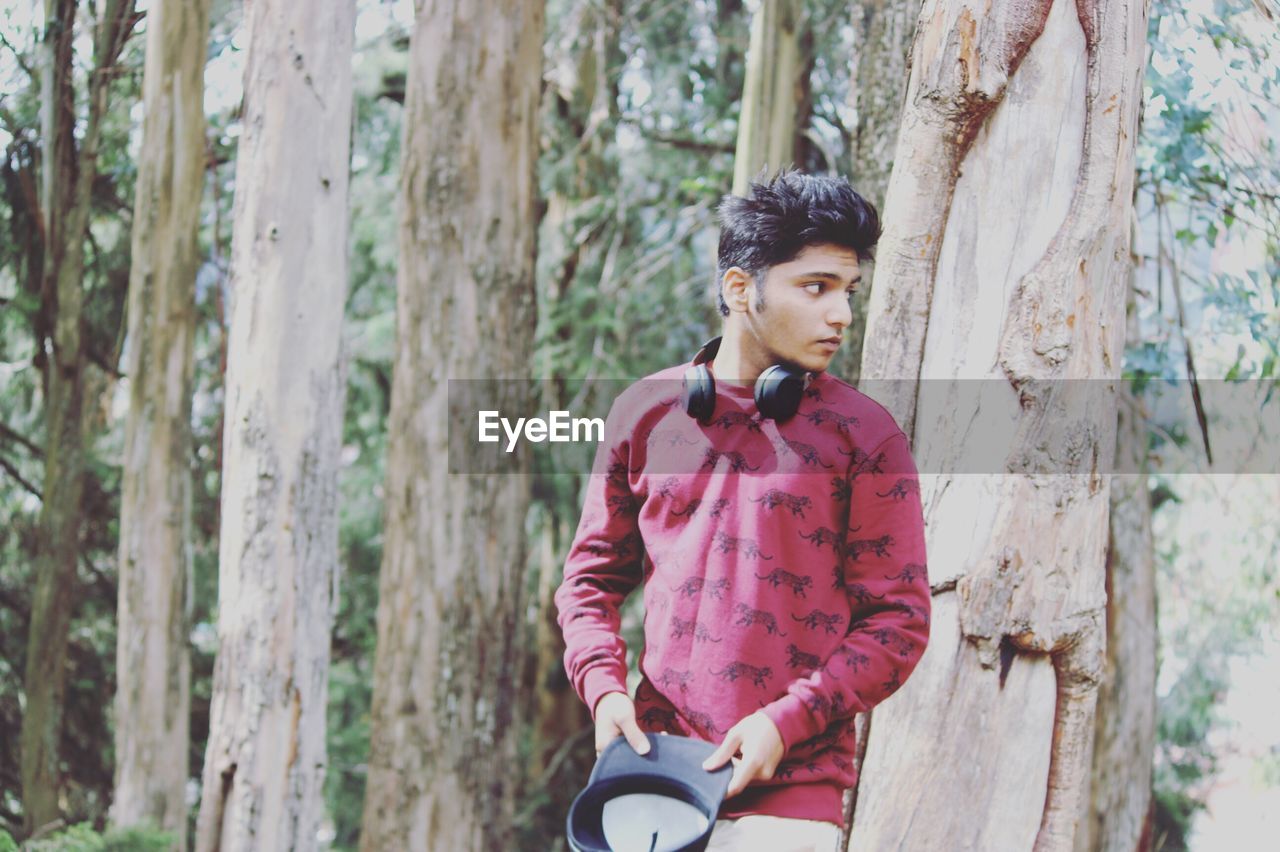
x=781 y=552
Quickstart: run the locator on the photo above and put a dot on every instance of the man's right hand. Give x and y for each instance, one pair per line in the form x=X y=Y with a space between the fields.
x=616 y=716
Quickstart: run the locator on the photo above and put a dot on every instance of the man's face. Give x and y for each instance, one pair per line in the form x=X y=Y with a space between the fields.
x=804 y=311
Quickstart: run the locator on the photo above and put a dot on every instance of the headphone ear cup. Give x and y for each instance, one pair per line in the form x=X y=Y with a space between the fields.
x=698 y=393
x=778 y=392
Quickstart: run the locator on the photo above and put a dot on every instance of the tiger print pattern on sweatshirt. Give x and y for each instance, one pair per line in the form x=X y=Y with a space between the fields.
x=783 y=571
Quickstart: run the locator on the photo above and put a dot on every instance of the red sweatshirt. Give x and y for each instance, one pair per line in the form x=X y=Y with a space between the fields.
x=783 y=569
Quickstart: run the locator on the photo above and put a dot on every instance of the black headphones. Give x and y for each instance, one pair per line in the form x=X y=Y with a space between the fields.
x=778 y=391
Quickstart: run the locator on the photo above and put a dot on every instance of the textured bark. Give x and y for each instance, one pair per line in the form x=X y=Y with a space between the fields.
x=278 y=547
x=66 y=182
x=775 y=96
x=442 y=735
x=153 y=667
x=882 y=40
x=1125 y=731
x=882 y=43
x=1007 y=219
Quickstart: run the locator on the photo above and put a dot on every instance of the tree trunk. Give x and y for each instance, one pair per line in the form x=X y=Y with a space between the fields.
x=442 y=753
x=882 y=43
x=775 y=96
x=285 y=387
x=153 y=665
x=728 y=49
x=1008 y=224
x=66 y=182
x=1125 y=732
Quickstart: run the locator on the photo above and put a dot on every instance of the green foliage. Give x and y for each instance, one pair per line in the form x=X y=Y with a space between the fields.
x=1209 y=175
x=83 y=838
x=1218 y=582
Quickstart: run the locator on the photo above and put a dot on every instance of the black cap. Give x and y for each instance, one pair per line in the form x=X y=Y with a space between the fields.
x=663 y=801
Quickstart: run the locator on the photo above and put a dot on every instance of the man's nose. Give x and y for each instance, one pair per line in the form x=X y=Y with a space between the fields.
x=841 y=314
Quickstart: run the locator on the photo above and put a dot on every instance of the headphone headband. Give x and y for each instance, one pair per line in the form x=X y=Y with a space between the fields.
x=708 y=351
x=778 y=390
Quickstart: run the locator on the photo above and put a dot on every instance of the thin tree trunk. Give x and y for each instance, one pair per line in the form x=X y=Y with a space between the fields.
x=775 y=95
x=442 y=757
x=728 y=49
x=153 y=665
x=883 y=31
x=1125 y=732
x=1006 y=244
x=586 y=66
x=882 y=44
x=278 y=547
x=67 y=179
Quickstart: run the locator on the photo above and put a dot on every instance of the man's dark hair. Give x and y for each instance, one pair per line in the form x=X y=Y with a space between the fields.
x=782 y=216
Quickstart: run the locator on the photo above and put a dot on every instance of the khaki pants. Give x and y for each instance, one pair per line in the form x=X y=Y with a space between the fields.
x=759 y=833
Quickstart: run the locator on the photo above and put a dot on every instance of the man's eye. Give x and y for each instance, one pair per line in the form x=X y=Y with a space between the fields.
x=814 y=287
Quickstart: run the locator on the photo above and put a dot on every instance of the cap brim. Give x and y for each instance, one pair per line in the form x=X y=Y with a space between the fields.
x=671 y=769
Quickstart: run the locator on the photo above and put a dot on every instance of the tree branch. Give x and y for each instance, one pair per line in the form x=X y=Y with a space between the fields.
x=13 y=471
x=17 y=57
x=688 y=143
x=10 y=435
x=1202 y=419
x=93 y=356
x=99 y=578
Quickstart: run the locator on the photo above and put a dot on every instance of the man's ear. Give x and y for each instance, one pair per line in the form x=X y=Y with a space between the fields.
x=735 y=287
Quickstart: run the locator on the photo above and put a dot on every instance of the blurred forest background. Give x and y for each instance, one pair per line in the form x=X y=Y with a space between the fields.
x=640 y=124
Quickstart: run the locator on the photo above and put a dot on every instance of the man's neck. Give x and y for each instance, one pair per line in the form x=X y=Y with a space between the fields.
x=733 y=363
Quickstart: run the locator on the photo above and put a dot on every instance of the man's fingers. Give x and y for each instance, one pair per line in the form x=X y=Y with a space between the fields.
x=727 y=749
x=603 y=740
x=635 y=736
x=742 y=775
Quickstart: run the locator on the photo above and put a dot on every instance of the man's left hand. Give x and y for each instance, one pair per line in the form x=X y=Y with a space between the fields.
x=757 y=739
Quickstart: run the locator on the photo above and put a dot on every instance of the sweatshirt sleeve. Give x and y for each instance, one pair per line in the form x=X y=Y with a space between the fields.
x=886 y=580
x=604 y=564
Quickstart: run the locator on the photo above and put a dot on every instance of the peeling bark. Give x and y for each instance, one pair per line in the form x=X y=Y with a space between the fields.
x=882 y=45
x=153 y=669
x=442 y=751
x=964 y=54
x=278 y=547
x=1007 y=215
